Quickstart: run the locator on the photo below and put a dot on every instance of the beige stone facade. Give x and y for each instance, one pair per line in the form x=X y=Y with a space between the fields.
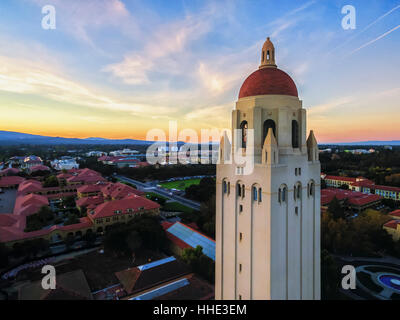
x=268 y=219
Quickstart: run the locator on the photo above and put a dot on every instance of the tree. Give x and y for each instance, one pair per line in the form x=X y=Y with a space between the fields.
x=115 y=240
x=72 y=219
x=203 y=191
x=199 y=262
x=336 y=209
x=45 y=214
x=4 y=254
x=134 y=241
x=330 y=277
x=51 y=181
x=69 y=202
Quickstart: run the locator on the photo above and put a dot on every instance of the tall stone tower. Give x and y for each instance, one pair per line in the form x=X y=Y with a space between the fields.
x=268 y=220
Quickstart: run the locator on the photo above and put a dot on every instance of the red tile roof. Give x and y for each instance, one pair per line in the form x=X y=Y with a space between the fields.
x=392 y=224
x=354 y=197
x=39 y=168
x=387 y=188
x=395 y=213
x=28 y=186
x=340 y=178
x=90 y=188
x=268 y=81
x=89 y=201
x=9 y=172
x=7 y=220
x=9 y=181
x=363 y=200
x=29 y=204
x=119 y=190
x=16 y=232
x=64 y=176
x=132 y=202
x=86 y=176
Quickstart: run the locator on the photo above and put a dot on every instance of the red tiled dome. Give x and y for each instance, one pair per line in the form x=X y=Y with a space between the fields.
x=268 y=81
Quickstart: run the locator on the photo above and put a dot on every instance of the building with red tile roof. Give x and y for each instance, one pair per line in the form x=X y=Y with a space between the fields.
x=395 y=214
x=10 y=181
x=29 y=204
x=31 y=161
x=119 y=190
x=362 y=184
x=393 y=228
x=85 y=176
x=356 y=200
x=89 y=190
x=182 y=236
x=9 y=172
x=91 y=202
x=39 y=168
x=130 y=205
x=123 y=203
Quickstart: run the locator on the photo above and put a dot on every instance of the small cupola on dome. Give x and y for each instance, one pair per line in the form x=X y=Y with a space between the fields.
x=268 y=55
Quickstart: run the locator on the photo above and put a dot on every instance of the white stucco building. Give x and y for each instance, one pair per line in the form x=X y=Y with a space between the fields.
x=268 y=218
x=65 y=163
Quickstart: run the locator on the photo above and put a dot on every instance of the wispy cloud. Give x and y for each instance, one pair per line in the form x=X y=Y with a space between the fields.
x=24 y=77
x=166 y=49
x=374 y=40
x=79 y=18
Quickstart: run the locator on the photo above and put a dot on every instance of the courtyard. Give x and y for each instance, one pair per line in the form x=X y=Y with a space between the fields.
x=7 y=200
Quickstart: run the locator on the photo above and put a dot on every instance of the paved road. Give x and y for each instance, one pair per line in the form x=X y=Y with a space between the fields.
x=150 y=187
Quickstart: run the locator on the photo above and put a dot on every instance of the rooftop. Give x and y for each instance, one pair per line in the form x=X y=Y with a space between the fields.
x=184 y=236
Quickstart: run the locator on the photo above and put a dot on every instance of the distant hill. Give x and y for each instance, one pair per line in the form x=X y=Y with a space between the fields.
x=14 y=138
x=365 y=143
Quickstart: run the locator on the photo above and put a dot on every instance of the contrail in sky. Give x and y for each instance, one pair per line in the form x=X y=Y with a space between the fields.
x=376 y=39
x=367 y=27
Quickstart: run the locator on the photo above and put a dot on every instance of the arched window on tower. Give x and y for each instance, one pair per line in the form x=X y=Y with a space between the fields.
x=255 y=196
x=268 y=124
x=295 y=134
x=243 y=128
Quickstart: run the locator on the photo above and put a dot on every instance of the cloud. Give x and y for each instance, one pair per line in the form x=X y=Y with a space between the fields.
x=166 y=49
x=25 y=77
x=220 y=115
x=79 y=18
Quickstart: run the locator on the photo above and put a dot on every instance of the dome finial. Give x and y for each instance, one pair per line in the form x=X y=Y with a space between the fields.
x=268 y=55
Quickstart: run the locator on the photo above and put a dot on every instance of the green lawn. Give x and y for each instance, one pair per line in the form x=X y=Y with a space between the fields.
x=176 y=207
x=179 y=185
x=149 y=195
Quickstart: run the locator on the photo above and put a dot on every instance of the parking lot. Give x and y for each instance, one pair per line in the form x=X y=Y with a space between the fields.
x=7 y=200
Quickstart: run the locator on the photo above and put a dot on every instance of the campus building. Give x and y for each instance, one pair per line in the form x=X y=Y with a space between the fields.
x=268 y=217
x=183 y=236
x=106 y=204
x=363 y=185
x=355 y=200
x=393 y=226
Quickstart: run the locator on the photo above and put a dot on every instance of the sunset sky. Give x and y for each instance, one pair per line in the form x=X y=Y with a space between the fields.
x=116 y=69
